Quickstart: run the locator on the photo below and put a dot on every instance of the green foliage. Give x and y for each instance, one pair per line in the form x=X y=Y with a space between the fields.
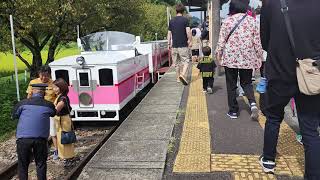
x=155 y=21
x=195 y=21
x=7 y=65
x=39 y=24
x=8 y=100
x=44 y=25
x=169 y=2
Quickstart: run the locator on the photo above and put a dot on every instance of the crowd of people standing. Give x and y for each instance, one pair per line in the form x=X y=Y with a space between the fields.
x=44 y=113
x=246 y=43
x=249 y=41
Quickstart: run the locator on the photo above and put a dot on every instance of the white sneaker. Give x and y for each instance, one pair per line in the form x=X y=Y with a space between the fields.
x=254 y=112
x=209 y=90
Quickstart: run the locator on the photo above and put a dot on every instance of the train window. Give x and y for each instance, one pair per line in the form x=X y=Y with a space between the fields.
x=84 y=79
x=64 y=74
x=106 y=77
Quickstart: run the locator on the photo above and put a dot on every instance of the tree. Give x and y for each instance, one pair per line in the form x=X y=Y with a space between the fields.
x=154 y=21
x=48 y=23
x=168 y=2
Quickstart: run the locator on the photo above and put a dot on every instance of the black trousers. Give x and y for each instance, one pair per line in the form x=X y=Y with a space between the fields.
x=245 y=82
x=207 y=82
x=262 y=69
x=38 y=147
x=309 y=118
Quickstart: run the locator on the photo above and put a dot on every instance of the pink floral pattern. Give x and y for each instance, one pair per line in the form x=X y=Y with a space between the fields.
x=243 y=49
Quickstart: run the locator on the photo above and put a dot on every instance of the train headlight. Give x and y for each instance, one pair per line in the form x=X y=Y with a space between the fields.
x=103 y=113
x=85 y=99
x=80 y=60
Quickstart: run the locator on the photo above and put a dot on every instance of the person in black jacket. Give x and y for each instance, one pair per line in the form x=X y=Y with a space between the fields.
x=207 y=67
x=33 y=131
x=282 y=81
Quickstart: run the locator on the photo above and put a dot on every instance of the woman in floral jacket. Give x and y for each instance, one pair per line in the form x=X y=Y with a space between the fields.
x=239 y=52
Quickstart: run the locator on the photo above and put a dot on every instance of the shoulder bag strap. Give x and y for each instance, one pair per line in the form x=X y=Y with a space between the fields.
x=68 y=103
x=236 y=26
x=285 y=10
x=59 y=116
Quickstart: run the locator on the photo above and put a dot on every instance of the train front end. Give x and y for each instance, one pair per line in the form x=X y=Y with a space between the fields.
x=101 y=80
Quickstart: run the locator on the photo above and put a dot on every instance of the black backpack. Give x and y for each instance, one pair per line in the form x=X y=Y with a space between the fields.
x=205 y=34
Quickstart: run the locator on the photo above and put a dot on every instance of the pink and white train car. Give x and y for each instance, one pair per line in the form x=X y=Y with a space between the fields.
x=112 y=68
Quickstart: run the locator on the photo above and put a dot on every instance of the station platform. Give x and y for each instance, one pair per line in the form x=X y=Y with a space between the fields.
x=138 y=148
x=181 y=133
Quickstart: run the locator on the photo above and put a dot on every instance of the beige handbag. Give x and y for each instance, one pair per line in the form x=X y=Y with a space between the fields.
x=308 y=70
x=308 y=77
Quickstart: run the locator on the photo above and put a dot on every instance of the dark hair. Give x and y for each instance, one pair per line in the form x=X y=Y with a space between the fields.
x=45 y=69
x=62 y=85
x=238 y=6
x=194 y=32
x=258 y=11
x=180 y=8
x=206 y=51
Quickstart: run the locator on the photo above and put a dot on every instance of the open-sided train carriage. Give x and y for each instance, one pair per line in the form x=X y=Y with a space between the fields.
x=112 y=68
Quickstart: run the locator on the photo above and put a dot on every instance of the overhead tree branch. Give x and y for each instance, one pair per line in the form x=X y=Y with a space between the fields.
x=45 y=41
x=34 y=37
x=23 y=59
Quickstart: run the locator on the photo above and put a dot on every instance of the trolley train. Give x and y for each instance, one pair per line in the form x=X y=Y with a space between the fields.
x=111 y=69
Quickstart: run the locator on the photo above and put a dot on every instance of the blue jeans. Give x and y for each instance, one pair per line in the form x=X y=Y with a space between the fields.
x=309 y=119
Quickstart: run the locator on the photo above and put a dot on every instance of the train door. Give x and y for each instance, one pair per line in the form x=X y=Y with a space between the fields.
x=85 y=87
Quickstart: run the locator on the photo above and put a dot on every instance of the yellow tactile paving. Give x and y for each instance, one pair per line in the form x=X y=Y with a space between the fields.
x=245 y=165
x=288 y=147
x=253 y=176
x=194 y=151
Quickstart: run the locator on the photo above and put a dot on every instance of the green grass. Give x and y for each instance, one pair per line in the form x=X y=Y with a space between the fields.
x=7 y=63
x=7 y=135
x=21 y=78
x=7 y=86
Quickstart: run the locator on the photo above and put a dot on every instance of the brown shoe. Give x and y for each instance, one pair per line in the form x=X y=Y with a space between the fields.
x=183 y=80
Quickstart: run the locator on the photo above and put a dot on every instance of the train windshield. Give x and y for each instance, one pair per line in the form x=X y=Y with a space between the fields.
x=108 y=41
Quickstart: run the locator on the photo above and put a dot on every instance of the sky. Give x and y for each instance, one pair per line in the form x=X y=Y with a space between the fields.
x=225 y=9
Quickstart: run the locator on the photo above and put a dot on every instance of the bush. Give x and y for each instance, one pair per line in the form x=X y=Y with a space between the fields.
x=8 y=100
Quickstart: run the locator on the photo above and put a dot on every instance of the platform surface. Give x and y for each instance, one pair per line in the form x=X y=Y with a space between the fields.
x=138 y=148
x=178 y=133
x=213 y=144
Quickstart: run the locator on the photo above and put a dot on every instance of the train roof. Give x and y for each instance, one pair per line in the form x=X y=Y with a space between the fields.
x=96 y=58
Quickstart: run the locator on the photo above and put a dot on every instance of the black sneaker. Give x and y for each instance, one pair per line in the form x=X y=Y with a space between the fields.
x=267 y=166
x=183 y=80
x=232 y=115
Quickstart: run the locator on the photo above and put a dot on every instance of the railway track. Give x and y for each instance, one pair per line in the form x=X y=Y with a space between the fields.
x=90 y=138
x=89 y=142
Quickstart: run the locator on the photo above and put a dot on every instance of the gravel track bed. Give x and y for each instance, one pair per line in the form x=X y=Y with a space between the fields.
x=8 y=153
x=87 y=138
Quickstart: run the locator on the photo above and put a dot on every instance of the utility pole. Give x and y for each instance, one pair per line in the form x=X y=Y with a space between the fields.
x=14 y=58
x=214 y=13
x=215 y=22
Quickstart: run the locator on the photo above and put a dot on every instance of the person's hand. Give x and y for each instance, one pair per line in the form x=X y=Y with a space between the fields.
x=218 y=59
x=189 y=44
